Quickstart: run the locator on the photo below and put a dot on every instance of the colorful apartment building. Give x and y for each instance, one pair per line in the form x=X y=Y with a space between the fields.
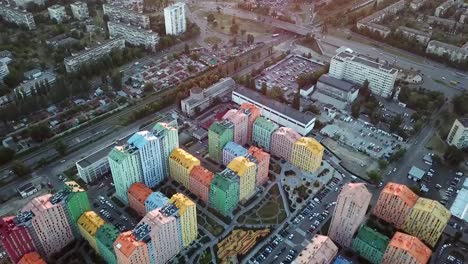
x=320 y=250
x=187 y=211
x=131 y=246
x=395 y=203
x=252 y=113
x=241 y=125
x=167 y=137
x=125 y=166
x=350 y=210
x=427 y=220
x=219 y=134
x=163 y=227
x=224 y=191
x=155 y=200
x=32 y=258
x=370 y=244
x=406 y=249
x=232 y=150
x=282 y=142
x=50 y=223
x=200 y=181
x=137 y=195
x=17 y=236
x=180 y=164
x=76 y=202
x=105 y=238
x=307 y=154
x=88 y=224
x=263 y=129
x=246 y=170
x=262 y=160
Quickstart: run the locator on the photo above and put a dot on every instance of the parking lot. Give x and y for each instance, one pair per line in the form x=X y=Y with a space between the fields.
x=294 y=235
x=284 y=74
x=364 y=137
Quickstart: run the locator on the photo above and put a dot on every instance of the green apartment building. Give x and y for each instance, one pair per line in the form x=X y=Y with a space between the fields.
x=76 y=203
x=105 y=238
x=219 y=134
x=224 y=191
x=370 y=244
x=263 y=129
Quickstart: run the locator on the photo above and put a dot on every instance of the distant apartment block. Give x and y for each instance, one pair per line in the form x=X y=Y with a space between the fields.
x=253 y=113
x=320 y=249
x=17 y=16
x=231 y=151
x=282 y=142
x=57 y=13
x=121 y=14
x=79 y=10
x=28 y=87
x=406 y=249
x=25 y=3
x=357 y=68
x=200 y=99
x=241 y=124
x=371 y=22
x=3 y=70
x=307 y=154
x=88 y=224
x=338 y=89
x=458 y=135
x=174 y=19
x=450 y=51
x=219 y=134
x=263 y=130
x=416 y=4
x=395 y=203
x=441 y=9
x=180 y=164
x=262 y=159
x=420 y=36
x=200 y=181
x=275 y=111
x=224 y=191
x=350 y=210
x=137 y=195
x=427 y=220
x=246 y=170
x=134 y=35
x=94 y=166
x=73 y=63
x=370 y=244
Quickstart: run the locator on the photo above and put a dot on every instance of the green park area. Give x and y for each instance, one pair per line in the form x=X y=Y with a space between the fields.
x=269 y=211
x=231 y=25
x=210 y=224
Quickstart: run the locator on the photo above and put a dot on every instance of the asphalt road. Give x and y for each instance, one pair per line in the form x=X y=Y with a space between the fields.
x=431 y=70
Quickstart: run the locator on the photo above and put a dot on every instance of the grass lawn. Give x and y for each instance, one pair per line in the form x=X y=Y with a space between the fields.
x=212 y=40
x=436 y=144
x=225 y=21
x=269 y=210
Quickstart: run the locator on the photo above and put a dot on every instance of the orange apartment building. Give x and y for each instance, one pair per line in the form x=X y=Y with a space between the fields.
x=137 y=195
x=406 y=249
x=200 y=181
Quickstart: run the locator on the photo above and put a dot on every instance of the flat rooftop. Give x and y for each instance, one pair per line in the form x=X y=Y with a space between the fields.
x=284 y=109
x=86 y=161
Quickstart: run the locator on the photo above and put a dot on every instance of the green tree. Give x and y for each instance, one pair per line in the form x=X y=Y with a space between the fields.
x=148 y=88
x=364 y=91
x=383 y=164
x=61 y=147
x=460 y=106
x=395 y=123
x=40 y=132
x=6 y=155
x=296 y=103
x=210 y=18
x=374 y=176
x=20 y=169
x=453 y=156
x=276 y=93
x=355 y=109
x=186 y=49
x=250 y=39
x=116 y=81
x=264 y=88
x=397 y=155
